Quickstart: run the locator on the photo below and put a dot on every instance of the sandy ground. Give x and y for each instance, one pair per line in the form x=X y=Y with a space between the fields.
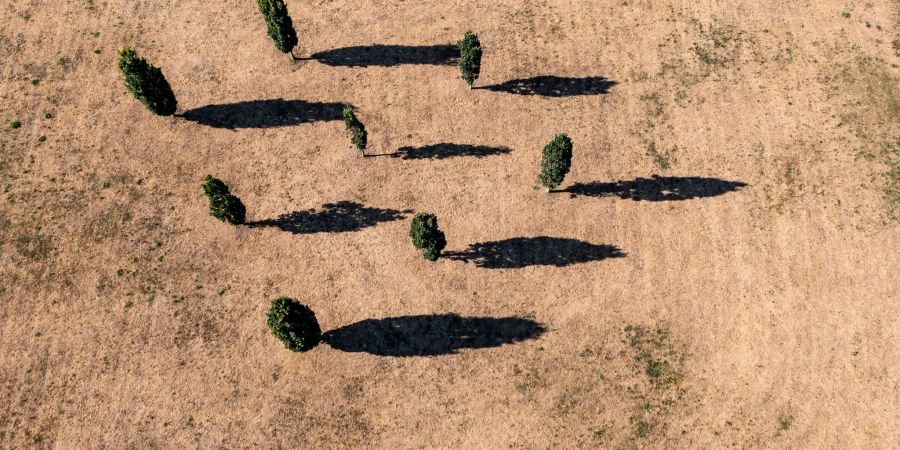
x=745 y=297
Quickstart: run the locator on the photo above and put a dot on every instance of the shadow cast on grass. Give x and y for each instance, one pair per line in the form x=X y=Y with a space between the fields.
x=446 y=150
x=388 y=55
x=521 y=252
x=553 y=86
x=430 y=335
x=337 y=217
x=657 y=189
x=264 y=113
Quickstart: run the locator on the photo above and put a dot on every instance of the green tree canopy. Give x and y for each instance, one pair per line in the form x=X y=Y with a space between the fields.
x=470 y=57
x=147 y=83
x=426 y=236
x=356 y=130
x=223 y=205
x=556 y=161
x=294 y=324
x=278 y=22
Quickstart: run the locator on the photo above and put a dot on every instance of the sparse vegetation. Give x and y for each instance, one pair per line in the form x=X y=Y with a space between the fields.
x=426 y=236
x=663 y=161
x=470 y=57
x=556 y=161
x=294 y=324
x=784 y=424
x=15 y=125
x=147 y=83
x=279 y=24
x=222 y=204
x=356 y=130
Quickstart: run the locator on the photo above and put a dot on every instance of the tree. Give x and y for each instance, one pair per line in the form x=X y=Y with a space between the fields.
x=556 y=161
x=222 y=204
x=294 y=324
x=426 y=236
x=470 y=57
x=356 y=130
x=147 y=83
x=279 y=25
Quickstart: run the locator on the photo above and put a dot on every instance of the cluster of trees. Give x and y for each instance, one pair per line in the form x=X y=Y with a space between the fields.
x=289 y=320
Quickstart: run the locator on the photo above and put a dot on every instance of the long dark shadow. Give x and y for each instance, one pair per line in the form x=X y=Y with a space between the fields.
x=553 y=86
x=337 y=217
x=521 y=252
x=657 y=189
x=447 y=150
x=264 y=113
x=431 y=335
x=388 y=55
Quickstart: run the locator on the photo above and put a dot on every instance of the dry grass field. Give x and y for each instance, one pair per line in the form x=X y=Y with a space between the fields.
x=718 y=270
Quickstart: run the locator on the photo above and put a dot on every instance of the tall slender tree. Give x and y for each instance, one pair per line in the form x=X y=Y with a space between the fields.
x=357 y=131
x=223 y=205
x=556 y=161
x=147 y=83
x=470 y=57
x=278 y=22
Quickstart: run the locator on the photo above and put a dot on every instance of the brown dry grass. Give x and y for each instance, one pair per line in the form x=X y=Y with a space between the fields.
x=764 y=317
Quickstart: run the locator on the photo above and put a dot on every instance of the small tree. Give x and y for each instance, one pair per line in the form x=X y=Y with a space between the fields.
x=356 y=130
x=426 y=236
x=294 y=324
x=279 y=25
x=470 y=57
x=222 y=204
x=556 y=161
x=147 y=83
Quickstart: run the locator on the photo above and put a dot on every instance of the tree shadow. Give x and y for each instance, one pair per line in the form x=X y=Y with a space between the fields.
x=447 y=150
x=431 y=335
x=553 y=86
x=389 y=55
x=657 y=189
x=264 y=113
x=521 y=252
x=337 y=217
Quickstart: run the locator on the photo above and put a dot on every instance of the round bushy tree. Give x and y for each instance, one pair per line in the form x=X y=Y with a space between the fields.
x=470 y=57
x=294 y=324
x=222 y=204
x=556 y=161
x=426 y=236
x=356 y=130
x=278 y=22
x=147 y=83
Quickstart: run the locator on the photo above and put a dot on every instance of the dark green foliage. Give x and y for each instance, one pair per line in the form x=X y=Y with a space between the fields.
x=426 y=236
x=15 y=125
x=294 y=324
x=280 y=28
x=147 y=83
x=556 y=161
x=222 y=204
x=470 y=57
x=357 y=131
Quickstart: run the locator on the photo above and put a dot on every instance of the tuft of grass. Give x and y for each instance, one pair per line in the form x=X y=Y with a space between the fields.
x=662 y=160
x=639 y=428
x=784 y=424
x=845 y=14
x=48 y=115
x=15 y=125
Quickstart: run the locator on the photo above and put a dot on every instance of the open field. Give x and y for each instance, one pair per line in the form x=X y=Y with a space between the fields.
x=720 y=269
